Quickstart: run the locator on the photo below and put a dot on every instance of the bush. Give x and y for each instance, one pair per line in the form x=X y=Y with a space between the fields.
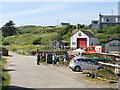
x=37 y=41
x=100 y=31
x=4 y=52
x=5 y=43
x=106 y=74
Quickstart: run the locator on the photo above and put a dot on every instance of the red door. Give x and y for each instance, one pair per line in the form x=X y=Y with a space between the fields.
x=81 y=42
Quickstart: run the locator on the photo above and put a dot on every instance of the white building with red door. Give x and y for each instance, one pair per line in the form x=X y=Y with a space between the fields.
x=82 y=39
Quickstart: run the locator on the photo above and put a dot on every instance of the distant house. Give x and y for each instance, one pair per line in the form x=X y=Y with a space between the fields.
x=104 y=21
x=113 y=45
x=82 y=39
x=59 y=44
x=64 y=24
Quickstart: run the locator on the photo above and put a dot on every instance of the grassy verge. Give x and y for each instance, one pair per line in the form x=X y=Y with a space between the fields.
x=4 y=74
x=97 y=81
x=104 y=77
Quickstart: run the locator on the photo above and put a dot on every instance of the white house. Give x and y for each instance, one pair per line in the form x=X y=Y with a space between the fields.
x=82 y=39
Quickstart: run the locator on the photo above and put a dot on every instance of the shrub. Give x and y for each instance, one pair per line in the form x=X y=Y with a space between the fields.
x=5 y=43
x=100 y=31
x=4 y=52
x=37 y=41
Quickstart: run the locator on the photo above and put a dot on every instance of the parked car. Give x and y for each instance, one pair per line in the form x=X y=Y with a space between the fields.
x=82 y=63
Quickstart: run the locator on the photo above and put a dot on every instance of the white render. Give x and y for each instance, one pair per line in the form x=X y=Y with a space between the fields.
x=89 y=40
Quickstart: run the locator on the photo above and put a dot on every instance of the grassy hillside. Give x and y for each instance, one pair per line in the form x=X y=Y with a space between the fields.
x=29 y=38
x=107 y=33
x=32 y=37
x=26 y=39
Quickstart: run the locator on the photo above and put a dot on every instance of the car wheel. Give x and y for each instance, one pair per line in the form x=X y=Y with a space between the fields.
x=78 y=69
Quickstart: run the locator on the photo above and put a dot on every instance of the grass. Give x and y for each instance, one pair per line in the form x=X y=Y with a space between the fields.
x=105 y=76
x=4 y=75
x=97 y=81
x=27 y=39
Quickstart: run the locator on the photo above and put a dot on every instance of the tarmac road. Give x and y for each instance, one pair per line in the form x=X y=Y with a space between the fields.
x=25 y=73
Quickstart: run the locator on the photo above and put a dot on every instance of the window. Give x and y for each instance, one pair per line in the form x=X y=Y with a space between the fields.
x=117 y=19
x=111 y=44
x=95 y=22
x=107 y=20
x=114 y=44
x=79 y=34
x=73 y=43
x=103 y=19
x=92 y=48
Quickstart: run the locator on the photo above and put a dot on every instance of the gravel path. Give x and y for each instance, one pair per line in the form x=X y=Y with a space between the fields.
x=26 y=74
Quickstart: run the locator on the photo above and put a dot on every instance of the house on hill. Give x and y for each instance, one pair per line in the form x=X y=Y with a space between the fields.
x=104 y=21
x=64 y=24
x=113 y=45
x=82 y=39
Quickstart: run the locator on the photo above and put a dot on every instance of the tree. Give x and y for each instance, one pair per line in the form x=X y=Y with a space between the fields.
x=8 y=29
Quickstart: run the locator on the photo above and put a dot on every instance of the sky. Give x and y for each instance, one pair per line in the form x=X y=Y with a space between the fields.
x=53 y=13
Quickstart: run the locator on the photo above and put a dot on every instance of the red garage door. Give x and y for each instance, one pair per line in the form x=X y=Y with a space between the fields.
x=81 y=42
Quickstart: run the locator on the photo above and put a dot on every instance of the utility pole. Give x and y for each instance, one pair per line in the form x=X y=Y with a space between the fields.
x=112 y=12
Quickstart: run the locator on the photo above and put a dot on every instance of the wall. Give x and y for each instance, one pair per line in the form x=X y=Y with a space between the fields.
x=109 y=48
x=94 y=41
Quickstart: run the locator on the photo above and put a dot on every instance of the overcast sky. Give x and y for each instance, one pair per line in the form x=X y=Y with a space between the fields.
x=52 y=13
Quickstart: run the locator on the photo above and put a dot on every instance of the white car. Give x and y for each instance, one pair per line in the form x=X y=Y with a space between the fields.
x=82 y=63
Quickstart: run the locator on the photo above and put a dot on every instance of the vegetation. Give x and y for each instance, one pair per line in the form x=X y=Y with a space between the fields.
x=8 y=29
x=4 y=74
x=107 y=74
x=107 y=33
x=27 y=37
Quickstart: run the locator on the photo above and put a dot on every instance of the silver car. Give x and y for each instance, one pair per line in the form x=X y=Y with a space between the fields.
x=83 y=63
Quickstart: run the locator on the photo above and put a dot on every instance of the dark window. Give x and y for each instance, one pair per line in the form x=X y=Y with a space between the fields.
x=73 y=43
x=95 y=22
x=107 y=20
x=91 y=44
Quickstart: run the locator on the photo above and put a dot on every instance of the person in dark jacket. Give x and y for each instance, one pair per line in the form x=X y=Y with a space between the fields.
x=38 y=59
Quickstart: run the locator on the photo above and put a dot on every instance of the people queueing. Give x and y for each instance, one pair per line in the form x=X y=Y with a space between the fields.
x=55 y=58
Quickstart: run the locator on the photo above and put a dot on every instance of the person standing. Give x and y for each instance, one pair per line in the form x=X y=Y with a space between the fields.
x=53 y=59
x=64 y=59
x=38 y=59
x=57 y=60
x=46 y=57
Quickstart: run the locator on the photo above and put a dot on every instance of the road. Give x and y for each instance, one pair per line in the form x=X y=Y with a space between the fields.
x=25 y=73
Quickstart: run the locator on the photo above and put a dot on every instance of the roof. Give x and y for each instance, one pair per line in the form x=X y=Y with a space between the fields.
x=114 y=39
x=110 y=15
x=89 y=34
x=62 y=41
x=65 y=23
